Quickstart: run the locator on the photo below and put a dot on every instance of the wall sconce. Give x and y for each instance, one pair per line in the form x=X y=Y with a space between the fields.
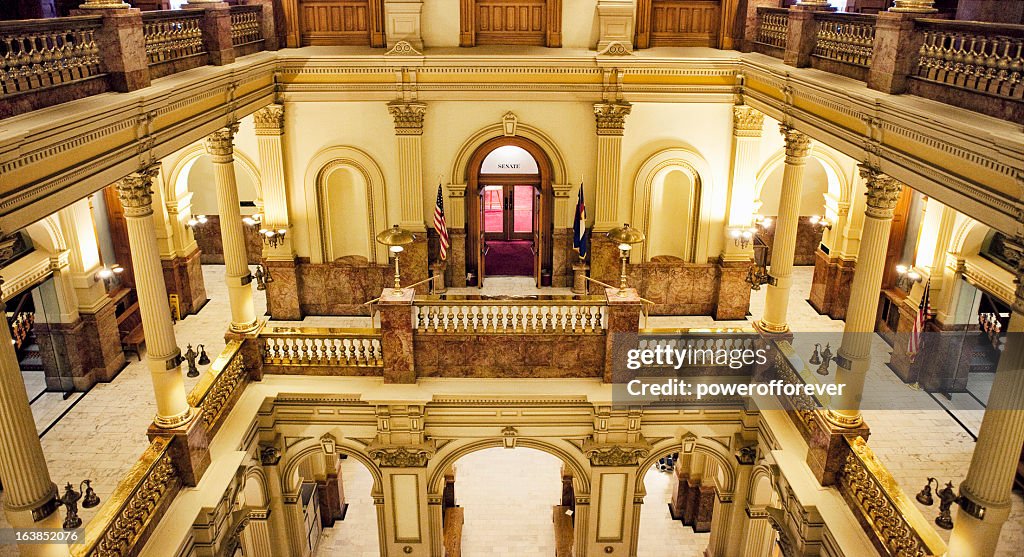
x=906 y=277
x=742 y=236
x=625 y=237
x=758 y=275
x=273 y=236
x=263 y=278
x=820 y=223
x=195 y=221
x=946 y=499
x=824 y=358
x=109 y=275
x=762 y=221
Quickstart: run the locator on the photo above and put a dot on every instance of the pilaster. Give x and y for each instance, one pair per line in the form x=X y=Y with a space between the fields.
x=409 y=135
x=747 y=124
x=611 y=122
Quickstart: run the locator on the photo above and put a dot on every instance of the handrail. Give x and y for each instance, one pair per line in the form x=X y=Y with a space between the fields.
x=156 y=15
x=128 y=512
x=413 y=285
x=567 y=301
x=56 y=23
x=893 y=520
x=202 y=388
x=980 y=27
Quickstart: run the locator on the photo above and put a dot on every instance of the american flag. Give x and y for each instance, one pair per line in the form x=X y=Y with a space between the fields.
x=923 y=309
x=440 y=226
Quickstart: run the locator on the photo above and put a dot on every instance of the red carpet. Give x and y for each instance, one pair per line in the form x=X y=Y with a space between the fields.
x=513 y=258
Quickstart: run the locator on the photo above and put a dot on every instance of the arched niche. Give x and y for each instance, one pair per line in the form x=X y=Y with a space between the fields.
x=339 y=174
x=678 y=177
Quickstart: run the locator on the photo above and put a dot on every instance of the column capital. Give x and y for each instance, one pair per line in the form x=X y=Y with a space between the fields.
x=746 y=121
x=408 y=117
x=611 y=117
x=882 y=192
x=269 y=120
x=798 y=145
x=220 y=144
x=136 y=192
x=1013 y=250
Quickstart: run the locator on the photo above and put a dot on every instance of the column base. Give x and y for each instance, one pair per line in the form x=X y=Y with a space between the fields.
x=102 y=342
x=171 y=422
x=456 y=272
x=733 y=300
x=244 y=328
x=437 y=271
x=604 y=260
x=830 y=288
x=771 y=330
x=190 y=450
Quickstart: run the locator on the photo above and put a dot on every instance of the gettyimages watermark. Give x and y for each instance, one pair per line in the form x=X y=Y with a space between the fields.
x=811 y=369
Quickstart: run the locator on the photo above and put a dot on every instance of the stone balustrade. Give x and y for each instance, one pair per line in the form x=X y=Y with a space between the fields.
x=510 y=316
x=978 y=66
x=321 y=351
x=45 y=62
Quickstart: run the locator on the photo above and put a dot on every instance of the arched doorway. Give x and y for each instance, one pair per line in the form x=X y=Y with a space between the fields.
x=509 y=205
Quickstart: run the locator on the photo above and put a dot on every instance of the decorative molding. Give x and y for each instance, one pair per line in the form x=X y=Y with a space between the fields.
x=611 y=454
x=408 y=117
x=403 y=48
x=269 y=120
x=883 y=192
x=401 y=456
x=269 y=455
x=798 y=145
x=746 y=121
x=616 y=48
x=611 y=117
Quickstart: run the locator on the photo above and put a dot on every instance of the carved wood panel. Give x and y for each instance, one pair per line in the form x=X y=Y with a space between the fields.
x=678 y=23
x=521 y=22
x=341 y=22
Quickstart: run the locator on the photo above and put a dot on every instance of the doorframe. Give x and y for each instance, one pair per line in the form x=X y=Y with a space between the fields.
x=472 y=198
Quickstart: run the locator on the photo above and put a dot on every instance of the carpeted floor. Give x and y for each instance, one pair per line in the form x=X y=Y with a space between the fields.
x=509 y=258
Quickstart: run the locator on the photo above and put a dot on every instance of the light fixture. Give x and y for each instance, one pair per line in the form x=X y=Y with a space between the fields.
x=758 y=275
x=762 y=221
x=742 y=236
x=821 y=358
x=947 y=496
x=273 y=236
x=196 y=221
x=263 y=278
x=820 y=223
x=109 y=275
x=396 y=238
x=70 y=502
x=625 y=237
x=906 y=277
x=253 y=219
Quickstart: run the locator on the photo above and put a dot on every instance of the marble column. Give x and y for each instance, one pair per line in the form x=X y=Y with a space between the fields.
x=985 y=494
x=236 y=266
x=853 y=356
x=747 y=124
x=162 y=353
x=279 y=260
x=776 y=305
x=28 y=490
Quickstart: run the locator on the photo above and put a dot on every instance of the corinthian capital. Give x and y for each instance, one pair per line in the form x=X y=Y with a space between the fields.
x=269 y=120
x=611 y=117
x=136 y=192
x=798 y=145
x=220 y=144
x=882 y=190
x=746 y=121
x=408 y=117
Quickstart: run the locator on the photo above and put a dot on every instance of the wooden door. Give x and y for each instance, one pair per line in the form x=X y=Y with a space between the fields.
x=481 y=241
x=341 y=22
x=538 y=236
x=678 y=23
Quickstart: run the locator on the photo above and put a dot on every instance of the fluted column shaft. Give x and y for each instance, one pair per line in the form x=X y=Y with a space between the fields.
x=162 y=354
x=997 y=451
x=746 y=140
x=27 y=484
x=236 y=262
x=776 y=305
x=269 y=129
x=611 y=123
x=853 y=356
x=409 y=135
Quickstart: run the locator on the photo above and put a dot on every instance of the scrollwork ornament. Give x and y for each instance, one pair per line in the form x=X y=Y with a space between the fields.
x=611 y=117
x=883 y=191
x=135 y=192
x=615 y=455
x=269 y=120
x=401 y=457
x=798 y=145
x=747 y=121
x=220 y=144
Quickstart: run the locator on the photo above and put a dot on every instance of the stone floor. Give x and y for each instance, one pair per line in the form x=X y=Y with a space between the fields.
x=356 y=536
x=103 y=432
x=660 y=536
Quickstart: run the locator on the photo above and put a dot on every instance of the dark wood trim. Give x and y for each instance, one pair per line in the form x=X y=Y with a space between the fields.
x=643 y=24
x=552 y=26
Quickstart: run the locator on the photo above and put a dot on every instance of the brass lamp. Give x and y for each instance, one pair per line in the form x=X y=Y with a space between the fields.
x=396 y=239
x=625 y=237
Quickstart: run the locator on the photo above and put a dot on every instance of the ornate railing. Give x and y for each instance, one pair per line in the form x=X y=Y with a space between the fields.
x=789 y=369
x=128 y=516
x=982 y=57
x=843 y=37
x=583 y=316
x=246 y=27
x=290 y=346
x=41 y=53
x=892 y=522
x=773 y=26
x=213 y=393
x=172 y=35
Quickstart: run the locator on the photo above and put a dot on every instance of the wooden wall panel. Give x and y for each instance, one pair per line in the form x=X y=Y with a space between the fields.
x=340 y=22
x=521 y=22
x=678 y=23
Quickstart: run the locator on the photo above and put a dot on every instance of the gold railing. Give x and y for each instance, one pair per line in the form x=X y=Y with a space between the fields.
x=138 y=502
x=172 y=35
x=983 y=57
x=846 y=38
x=773 y=26
x=567 y=315
x=315 y=346
x=218 y=384
x=246 y=27
x=41 y=53
x=895 y=525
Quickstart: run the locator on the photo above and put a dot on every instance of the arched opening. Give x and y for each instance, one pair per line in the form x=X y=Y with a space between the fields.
x=816 y=185
x=346 y=225
x=508 y=499
x=509 y=204
x=355 y=532
x=674 y=205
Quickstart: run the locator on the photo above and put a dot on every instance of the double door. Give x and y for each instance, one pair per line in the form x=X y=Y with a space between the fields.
x=508 y=212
